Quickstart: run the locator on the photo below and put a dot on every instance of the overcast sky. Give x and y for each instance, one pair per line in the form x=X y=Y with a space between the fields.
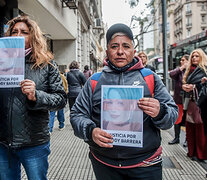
x=115 y=11
x=119 y=11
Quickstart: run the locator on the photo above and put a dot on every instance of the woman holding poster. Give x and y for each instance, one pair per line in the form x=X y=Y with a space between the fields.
x=24 y=116
x=109 y=160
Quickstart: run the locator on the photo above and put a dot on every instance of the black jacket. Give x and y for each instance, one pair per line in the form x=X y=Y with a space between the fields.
x=76 y=81
x=150 y=67
x=24 y=122
x=195 y=78
x=86 y=115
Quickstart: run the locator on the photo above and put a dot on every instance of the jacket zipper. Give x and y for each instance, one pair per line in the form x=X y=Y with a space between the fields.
x=10 y=118
x=10 y=106
x=121 y=79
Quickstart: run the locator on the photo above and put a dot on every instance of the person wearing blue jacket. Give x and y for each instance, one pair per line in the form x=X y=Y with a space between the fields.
x=159 y=112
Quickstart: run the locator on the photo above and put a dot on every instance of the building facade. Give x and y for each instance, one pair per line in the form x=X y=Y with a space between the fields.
x=186 y=24
x=69 y=25
x=157 y=27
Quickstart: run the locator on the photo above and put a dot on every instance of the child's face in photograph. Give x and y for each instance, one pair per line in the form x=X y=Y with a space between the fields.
x=116 y=108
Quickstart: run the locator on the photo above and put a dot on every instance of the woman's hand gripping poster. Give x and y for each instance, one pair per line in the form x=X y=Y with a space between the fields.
x=121 y=116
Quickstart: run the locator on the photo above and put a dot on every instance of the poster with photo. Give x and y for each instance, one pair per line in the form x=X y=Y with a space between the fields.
x=120 y=114
x=12 y=61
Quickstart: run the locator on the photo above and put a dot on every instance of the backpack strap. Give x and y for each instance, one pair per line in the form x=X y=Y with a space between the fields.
x=146 y=73
x=149 y=78
x=94 y=80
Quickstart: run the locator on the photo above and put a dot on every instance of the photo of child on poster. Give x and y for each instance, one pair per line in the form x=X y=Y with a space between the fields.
x=12 y=61
x=120 y=113
x=9 y=64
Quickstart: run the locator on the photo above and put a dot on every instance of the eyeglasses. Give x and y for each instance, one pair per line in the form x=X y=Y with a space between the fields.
x=142 y=56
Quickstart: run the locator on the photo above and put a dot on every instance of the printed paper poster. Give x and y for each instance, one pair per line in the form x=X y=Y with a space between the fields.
x=12 y=61
x=121 y=116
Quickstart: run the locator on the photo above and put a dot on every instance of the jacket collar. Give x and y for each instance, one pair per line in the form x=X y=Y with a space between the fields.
x=134 y=65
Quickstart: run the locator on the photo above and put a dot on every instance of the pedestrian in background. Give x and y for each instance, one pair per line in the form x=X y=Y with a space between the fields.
x=60 y=113
x=196 y=139
x=76 y=81
x=24 y=116
x=122 y=68
x=66 y=72
x=177 y=75
x=143 y=56
x=87 y=72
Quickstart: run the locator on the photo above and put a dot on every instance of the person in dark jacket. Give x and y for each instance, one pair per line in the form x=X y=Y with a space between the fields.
x=24 y=115
x=159 y=112
x=203 y=103
x=76 y=81
x=143 y=56
x=60 y=113
x=195 y=136
x=177 y=75
x=87 y=72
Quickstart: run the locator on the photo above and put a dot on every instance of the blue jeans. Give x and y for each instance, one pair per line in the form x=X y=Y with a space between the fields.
x=60 y=117
x=34 y=160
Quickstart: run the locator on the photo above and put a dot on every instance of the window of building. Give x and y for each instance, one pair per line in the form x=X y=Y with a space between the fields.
x=188 y=7
x=188 y=33
x=203 y=6
x=203 y=18
x=188 y=20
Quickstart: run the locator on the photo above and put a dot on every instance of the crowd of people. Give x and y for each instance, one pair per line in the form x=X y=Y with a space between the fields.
x=189 y=78
x=193 y=78
x=28 y=112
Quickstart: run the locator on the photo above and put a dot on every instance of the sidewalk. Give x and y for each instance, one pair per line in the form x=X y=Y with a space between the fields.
x=69 y=158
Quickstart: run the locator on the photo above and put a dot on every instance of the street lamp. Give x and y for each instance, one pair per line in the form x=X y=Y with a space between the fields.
x=72 y=4
x=165 y=55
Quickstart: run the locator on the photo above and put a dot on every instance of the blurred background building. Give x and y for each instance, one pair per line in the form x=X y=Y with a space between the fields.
x=186 y=28
x=74 y=28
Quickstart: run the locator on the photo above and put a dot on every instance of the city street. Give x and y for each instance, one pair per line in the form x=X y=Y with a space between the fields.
x=111 y=54
x=69 y=158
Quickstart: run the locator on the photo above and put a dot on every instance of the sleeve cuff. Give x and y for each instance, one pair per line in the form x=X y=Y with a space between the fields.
x=89 y=132
x=161 y=113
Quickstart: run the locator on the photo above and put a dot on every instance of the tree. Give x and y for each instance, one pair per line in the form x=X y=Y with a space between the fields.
x=143 y=22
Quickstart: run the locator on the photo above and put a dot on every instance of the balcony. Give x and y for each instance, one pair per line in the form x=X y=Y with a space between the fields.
x=179 y=7
x=203 y=12
x=188 y=25
x=188 y=12
x=72 y=4
x=179 y=30
x=203 y=24
x=179 y=18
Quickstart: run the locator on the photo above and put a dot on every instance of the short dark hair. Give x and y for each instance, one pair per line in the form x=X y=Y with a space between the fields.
x=86 y=67
x=74 y=65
